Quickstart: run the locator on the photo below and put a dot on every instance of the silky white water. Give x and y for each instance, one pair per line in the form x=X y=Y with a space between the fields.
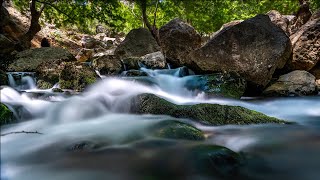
x=100 y=115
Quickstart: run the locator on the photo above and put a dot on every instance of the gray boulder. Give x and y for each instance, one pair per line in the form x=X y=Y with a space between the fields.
x=295 y=83
x=154 y=60
x=137 y=43
x=178 y=39
x=254 y=49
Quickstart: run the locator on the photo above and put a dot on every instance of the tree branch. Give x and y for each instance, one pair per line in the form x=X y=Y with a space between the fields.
x=21 y=132
x=57 y=9
x=155 y=14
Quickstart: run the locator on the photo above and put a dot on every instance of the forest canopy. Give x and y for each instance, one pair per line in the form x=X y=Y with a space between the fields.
x=123 y=15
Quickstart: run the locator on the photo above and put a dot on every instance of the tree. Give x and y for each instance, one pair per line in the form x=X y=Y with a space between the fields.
x=34 y=27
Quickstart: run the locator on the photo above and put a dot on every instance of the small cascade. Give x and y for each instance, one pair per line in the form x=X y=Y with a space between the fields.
x=98 y=73
x=22 y=80
x=168 y=66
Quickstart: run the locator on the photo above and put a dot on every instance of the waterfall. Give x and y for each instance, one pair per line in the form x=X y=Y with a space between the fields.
x=22 y=80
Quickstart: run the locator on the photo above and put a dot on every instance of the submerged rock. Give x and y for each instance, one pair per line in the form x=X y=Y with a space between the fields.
x=176 y=130
x=6 y=116
x=254 y=49
x=29 y=60
x=210 y=114
x=218 y=84
x=297 y=83
x=178 y=39
x=137 y=43
x=174 y=161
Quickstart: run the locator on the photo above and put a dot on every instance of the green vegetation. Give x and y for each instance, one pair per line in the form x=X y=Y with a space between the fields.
x=205 y=15
x=6 y=116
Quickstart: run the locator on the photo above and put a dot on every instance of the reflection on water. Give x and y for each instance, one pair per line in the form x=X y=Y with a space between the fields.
x=93 y=136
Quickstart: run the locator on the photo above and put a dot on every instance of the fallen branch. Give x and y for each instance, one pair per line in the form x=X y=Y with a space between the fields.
x=22 y=132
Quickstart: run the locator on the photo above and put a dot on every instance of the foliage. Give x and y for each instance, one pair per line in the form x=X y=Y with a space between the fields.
x=123 y=15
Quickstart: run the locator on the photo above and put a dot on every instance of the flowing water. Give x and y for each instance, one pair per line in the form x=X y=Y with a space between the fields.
x=100 y=117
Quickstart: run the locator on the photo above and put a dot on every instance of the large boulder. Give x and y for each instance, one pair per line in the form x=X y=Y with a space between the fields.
x=107 y=65
x=306 y=45
x=254 y=49
x=210 y=114
x=178 y=39
x=137 y=43
x=297 y=83
x=30 y=59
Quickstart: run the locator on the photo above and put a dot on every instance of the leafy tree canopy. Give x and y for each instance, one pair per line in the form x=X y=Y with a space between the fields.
x=122 y=15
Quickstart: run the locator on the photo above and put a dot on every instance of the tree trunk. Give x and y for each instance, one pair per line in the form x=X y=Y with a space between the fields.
x=303 y=15
x=25 y=40
x=152 y=28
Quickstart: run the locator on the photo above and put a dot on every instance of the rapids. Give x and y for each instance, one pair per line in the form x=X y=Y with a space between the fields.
x=100 y=115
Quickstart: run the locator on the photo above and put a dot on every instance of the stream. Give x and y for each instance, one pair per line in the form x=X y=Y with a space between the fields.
x=99 y=116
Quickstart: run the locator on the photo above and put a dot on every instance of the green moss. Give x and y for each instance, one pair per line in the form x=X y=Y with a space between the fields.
x=71 y=84
x=177 y=130
x=210 y=114
x=6 y=116
x=41 y=84
x=76 y=76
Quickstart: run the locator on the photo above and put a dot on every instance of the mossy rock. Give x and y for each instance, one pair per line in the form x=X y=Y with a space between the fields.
x=42 y=84
x=219 y=84
x=29 y=60
x=76 y=76
x=210 y=114
x=167 y=129
x=176 y=130
x=6 y=116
